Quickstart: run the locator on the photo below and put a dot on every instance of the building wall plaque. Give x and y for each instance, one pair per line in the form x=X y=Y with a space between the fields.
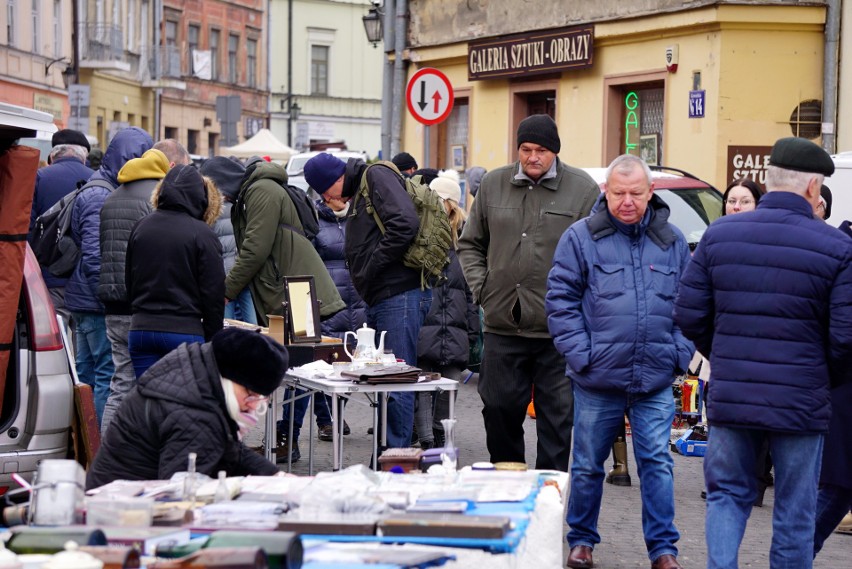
x=531 y=53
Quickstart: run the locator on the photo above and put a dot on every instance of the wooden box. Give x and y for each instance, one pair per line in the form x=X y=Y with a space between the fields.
x=301 y=354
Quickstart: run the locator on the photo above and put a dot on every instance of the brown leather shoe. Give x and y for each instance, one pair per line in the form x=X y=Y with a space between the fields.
x=666 y=562
x=580 y=557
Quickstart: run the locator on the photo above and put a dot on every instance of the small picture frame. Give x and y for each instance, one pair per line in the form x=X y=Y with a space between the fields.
x=303 y=317
x=457 y=152
x=649 y=148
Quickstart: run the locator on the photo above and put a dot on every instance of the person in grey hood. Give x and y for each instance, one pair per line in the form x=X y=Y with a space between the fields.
x=175 y=278
x=228 y=174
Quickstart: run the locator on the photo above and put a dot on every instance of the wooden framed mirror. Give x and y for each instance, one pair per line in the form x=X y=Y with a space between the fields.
x=303 y=317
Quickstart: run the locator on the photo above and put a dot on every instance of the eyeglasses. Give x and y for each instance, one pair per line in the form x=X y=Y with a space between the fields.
x=744 y=201
x=255 y=397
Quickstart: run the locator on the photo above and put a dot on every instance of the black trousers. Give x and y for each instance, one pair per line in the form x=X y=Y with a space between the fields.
x=511 y=366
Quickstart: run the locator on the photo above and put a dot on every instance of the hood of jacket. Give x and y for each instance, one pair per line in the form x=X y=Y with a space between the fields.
x=227 y=174
x=659 y=231
x=127 y=144
x=181 y=191
x=352 y=176
x=153 y=165
x=263 y=170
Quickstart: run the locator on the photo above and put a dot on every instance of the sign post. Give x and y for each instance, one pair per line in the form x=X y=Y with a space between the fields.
x=429 y=96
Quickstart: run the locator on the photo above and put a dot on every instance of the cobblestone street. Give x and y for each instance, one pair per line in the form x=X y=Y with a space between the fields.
x=620 y=519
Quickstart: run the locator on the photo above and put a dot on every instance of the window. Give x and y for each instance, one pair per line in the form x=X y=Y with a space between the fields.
x=57 y=28
x=319 y=70
x=131 y=25
x=233 y=43
x=251 y=62
x=171 y=132
x=193 y=32
x=212 y=143
x=214 y=54
x=171 y=56
x=36 y=26
x=10 y=22
x=192 y=137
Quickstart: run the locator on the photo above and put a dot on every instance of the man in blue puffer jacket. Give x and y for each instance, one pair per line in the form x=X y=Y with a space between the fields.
x=768 y=298
x=94 y=355
x=609 y=305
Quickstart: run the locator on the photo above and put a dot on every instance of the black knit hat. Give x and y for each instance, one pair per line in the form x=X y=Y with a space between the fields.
x=225 y=173
x=404 y=161
x=255 y=361
x=801 y=155
x=541 y=130
x=70 y=136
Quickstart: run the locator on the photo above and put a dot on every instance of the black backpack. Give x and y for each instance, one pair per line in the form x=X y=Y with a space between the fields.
x=305 y=210
x=51 y=240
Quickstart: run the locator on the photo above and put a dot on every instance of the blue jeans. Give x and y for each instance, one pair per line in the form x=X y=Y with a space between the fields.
x=94 y=356
x=729 y=470
x=242 y=308
x=322 y=410
x=598 y=418
x=402 y=316
x=148 y=347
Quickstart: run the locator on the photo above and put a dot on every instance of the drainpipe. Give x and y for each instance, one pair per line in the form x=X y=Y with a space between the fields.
x=387 y=77
x=158 y=92
x=268 y=65
x=290 y=74
x=830 y=66
x=398 y=74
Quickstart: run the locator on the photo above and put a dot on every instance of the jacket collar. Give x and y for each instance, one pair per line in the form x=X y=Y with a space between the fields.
x=786 y=200
x=658 y=229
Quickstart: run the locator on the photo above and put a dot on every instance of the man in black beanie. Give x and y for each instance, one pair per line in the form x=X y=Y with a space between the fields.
x=199 y=398
x=406 y=163
x=529 y=204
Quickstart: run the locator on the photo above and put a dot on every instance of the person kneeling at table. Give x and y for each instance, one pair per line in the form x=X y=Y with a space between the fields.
x=199 y=398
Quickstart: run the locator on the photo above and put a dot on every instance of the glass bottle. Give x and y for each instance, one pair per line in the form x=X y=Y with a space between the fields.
x=189 y=480
x=223 y=493
x=449 y=455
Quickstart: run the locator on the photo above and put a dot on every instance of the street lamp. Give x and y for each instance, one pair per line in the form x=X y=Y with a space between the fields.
x=373 y=26
x=295 y=111
x=69 y=76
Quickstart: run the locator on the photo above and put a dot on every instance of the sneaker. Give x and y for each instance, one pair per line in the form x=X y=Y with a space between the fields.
x=346 y=429
x=283 y=448
x=845 y=525
x=325 y=432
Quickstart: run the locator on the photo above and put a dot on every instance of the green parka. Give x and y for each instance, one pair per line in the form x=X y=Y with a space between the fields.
x=271 y=246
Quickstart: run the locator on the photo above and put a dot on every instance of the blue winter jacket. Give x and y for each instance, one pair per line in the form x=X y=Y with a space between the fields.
x=53 y=183
x=609 y=301
x=329 y=243
x=768 y=298
x=81 y=291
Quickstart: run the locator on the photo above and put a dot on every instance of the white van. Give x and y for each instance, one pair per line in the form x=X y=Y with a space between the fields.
x=840 y=185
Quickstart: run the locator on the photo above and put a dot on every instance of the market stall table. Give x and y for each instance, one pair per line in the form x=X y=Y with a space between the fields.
x=339 y=389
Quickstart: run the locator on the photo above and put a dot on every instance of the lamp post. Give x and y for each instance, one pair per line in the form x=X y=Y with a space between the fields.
x=373 y=26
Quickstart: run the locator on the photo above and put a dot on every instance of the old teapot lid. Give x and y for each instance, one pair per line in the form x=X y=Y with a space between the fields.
x=73 y=558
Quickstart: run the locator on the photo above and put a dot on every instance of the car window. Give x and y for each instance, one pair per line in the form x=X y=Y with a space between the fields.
x=692 y=210
x=297 y=164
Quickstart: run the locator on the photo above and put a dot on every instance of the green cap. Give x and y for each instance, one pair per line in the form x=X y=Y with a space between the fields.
x=801 y=155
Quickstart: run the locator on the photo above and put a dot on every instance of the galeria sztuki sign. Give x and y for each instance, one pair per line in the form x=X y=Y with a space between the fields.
x=530 y=53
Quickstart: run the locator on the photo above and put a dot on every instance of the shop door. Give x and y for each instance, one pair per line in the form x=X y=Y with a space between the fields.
x=642 y=121
x=543 y=103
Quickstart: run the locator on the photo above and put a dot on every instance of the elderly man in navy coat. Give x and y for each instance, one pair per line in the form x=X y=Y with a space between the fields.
x=768 y=297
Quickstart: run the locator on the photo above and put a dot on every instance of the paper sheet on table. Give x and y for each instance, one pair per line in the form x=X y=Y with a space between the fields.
x=318 y=368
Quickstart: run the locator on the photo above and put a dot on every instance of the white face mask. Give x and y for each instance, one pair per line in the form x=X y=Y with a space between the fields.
x=245 y=420
x=343 y=212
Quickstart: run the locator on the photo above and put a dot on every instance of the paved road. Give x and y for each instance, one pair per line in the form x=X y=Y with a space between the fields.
x=620 y=519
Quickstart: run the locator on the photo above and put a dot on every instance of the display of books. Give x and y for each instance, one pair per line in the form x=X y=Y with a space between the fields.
x=145 y=539
x=445 y=525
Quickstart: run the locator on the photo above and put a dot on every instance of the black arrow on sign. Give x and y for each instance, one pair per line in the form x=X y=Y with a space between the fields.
x=422 y=104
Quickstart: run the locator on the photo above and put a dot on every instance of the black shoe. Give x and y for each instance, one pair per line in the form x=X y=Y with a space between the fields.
x=704 y=494
x=346 y=429
x=325 y=432
x=283 y=448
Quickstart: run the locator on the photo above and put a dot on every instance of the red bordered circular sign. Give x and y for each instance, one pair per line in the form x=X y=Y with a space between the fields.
x=429 y=96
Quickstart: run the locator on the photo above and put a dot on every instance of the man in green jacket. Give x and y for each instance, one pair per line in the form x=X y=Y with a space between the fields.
x=506 y=251
x=271 y=245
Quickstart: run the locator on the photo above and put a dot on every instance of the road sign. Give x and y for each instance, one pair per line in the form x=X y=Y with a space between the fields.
x=429 y=96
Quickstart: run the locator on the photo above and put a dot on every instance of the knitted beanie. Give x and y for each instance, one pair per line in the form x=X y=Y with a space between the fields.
x=541 y=130
x=255 y=361
x=447 y=186
x=404 y=161
x=323 y=170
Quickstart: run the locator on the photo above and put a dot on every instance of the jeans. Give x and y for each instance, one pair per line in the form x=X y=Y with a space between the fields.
x=833 y=503
x=402 y=316
x=124 y=378
x=242 y=308
x=598 y=418
x=94 y=357
x=322 y=410
x=147 y=347
x=729 y=470
x=431 y=406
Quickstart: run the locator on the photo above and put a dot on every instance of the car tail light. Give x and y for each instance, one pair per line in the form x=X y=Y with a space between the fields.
x=44 y=329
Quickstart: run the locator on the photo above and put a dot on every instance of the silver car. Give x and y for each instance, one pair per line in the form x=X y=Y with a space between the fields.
x=296 y=167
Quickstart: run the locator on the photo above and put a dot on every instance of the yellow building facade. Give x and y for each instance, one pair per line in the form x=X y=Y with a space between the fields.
x=753 y=71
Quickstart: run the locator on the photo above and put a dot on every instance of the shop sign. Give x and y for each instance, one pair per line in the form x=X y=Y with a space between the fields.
x=696 y=104
x=48 y=104
x=530 y=53
x=748 y=162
